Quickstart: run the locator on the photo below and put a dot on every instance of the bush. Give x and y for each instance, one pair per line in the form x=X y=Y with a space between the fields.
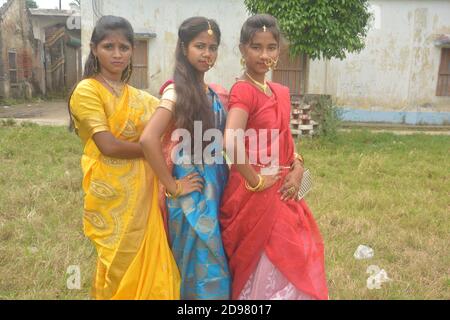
x=326 y=114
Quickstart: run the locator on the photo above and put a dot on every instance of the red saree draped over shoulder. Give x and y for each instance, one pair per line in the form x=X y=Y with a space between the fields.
x=257 y=223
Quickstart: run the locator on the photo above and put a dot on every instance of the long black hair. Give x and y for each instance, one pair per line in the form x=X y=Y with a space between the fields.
x=104 y=26
x=192 y=103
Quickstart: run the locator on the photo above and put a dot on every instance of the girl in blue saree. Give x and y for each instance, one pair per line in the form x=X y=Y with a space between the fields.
x=193 y=188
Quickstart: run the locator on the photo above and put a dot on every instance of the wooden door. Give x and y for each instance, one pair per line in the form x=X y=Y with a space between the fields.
x=291 y=72
x=443 y=86
x=139 y=78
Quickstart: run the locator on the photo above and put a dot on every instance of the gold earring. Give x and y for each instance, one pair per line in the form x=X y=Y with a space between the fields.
x=243 y=64
x=129 y=70
x=95 y=64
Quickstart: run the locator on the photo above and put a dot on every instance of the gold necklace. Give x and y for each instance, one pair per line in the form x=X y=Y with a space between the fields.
x=116 y=87
x=262 y=86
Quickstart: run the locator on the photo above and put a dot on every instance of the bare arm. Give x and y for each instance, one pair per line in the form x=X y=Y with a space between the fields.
x=112 y=147
x=151 y=145
x=237 y=119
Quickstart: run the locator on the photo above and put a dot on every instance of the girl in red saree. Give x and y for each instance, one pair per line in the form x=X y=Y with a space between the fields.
x=274 y=246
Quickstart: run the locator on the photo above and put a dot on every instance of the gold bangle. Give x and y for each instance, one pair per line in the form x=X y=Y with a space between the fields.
x=258 y=187
x=178 y=191
x=299 y=157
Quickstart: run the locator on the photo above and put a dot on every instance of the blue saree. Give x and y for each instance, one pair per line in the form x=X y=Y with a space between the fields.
x=194 y=228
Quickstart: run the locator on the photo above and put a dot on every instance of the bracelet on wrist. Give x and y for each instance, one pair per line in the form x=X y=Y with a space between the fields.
x=300 y=158
x=258 y=187
x=177 y=193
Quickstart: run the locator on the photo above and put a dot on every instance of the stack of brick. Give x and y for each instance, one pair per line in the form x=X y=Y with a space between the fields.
x=301 y=122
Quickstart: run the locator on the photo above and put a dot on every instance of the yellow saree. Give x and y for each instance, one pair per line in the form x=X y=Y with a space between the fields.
x=121 y=211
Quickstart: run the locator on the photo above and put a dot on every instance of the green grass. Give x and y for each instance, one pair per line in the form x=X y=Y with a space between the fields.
x=385 y=191
x=391 y=193
x=40 y=214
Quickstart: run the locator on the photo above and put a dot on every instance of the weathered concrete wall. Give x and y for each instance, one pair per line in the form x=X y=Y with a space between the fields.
x=163 y=18
x=40 y=23
x=4 y=83
x=398 y=69
x=44 y=20
x=17 y=36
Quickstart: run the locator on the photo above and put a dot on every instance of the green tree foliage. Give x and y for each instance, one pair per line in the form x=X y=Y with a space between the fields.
x=319 y=28
x=31 y=4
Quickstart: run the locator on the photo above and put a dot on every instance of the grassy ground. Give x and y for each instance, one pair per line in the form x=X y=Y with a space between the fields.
x=40 y=214
x=385 y=191
x=391 y=193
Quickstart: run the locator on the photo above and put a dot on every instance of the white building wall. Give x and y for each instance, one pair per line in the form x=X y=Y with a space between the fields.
x=163 y=18
x=398 y=69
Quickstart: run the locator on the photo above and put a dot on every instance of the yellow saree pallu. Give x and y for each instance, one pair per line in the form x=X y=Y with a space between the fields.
x=121 y=210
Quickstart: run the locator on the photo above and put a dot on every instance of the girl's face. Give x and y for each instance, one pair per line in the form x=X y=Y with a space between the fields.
x=262 y=49
x=202 y=51
x=114 y=53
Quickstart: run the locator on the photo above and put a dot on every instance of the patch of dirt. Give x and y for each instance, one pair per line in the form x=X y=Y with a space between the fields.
x=45 y=112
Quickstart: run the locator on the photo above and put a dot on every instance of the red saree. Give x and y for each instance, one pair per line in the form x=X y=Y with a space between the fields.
x=254 y=223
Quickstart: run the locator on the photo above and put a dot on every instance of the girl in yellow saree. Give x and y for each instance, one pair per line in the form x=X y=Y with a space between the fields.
x=121 y=211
